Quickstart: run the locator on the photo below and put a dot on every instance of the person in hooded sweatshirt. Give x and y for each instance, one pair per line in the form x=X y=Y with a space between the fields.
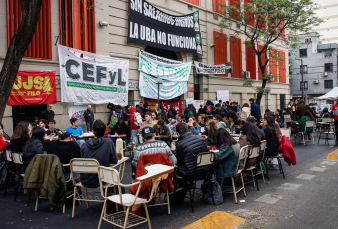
x=99 y=148
x=118 y=113
x=219 y=121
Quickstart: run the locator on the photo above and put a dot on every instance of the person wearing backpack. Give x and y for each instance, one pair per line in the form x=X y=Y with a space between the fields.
x=172 y=112
x=135 y=123
x=209 y=107
x=190 y=112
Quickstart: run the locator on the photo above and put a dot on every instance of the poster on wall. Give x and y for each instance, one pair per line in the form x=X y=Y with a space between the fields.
x=77 y=112
x=170 y=89
x=198 y=103
x=213 y=69
x=223 y=95
x=166 y=105
x=150 y=26
x=89 y=78
x=164 y=68
x=32 y=88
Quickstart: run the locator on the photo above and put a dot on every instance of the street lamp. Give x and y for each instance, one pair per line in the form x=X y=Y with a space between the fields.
x=302 y=69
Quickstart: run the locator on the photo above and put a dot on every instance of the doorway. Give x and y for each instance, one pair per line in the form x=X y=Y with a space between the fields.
x=26 y=113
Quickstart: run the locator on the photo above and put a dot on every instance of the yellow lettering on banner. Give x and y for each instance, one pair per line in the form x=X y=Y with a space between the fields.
x=19 y=85
x=29 y=84
x=38 y=81
x=47 y=88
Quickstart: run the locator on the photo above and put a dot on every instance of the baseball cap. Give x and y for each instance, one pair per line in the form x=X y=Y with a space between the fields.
x=147 y=132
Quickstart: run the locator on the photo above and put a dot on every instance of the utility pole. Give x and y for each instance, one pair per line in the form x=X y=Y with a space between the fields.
x=159 y=82
x=302 y=82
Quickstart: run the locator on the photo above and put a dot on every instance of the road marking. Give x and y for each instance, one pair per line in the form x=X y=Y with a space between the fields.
x=270 y=199
x=318 y=169
x=289 y=186
x=244 y=213
x=333 y=155
x=305 y=176
x=217 y=219
x=328 y=162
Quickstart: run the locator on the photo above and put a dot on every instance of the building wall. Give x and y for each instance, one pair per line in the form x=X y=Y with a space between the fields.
x=112 y=41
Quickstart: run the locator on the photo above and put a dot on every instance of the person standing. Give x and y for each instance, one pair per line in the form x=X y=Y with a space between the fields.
x=172 y=112
x=139 y=108
x=158 y=112
x=89 y=117
x=301 y=110
x=255 y=111
x=135 y=119
x=335 y=116
x=49 y=113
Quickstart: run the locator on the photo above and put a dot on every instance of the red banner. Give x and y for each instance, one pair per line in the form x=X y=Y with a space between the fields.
x=166 y=105
x=33 y=87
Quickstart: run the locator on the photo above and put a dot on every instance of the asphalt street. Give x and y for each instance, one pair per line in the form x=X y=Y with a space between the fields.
x=306 y=198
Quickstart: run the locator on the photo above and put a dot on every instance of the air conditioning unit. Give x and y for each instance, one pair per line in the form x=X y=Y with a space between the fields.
x=246 y=75
x=270 y=79
x=316 y=81
x=238 y=25
x=324 y=73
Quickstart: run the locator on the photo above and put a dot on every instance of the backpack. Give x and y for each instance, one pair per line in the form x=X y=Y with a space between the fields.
x=209 y=110
x=114 y=119
x=137 y=119
x=212 y=192
x=190 y=114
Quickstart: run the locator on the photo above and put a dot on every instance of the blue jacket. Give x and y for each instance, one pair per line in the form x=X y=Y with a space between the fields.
x=194 y=130
x=227 y=159
x=255 y=111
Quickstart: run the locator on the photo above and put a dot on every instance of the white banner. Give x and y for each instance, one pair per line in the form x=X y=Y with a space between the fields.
x=198 y=103
x=164 y=68
x=90 y=78
x=170 y=89
x=213 y=69
x=223 y=95
x=77 y=112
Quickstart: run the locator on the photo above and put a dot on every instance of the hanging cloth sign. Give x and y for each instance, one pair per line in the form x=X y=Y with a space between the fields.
x=77 y=112
x=150 y=26
x=92 y=78
x=223 y=95
x=213 y=69
x=166 y=105
x=164 y=68
x=170 y=89
x=32 y=88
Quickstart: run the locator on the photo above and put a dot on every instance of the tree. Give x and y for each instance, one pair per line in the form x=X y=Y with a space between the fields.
x=19 y=43
x=265 y=22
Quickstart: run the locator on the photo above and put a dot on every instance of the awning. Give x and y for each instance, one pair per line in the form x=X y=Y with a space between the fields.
x=331 y=95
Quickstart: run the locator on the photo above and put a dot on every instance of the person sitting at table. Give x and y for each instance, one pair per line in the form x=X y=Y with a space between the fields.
x=21 y=134
x=271 y=136
x=149 y=122
x=203 y=122
x=152 y=146
x=43 y=123
x=239 y=125
x=163 y=132
x=219 y=121
x=212 y=128
x=193 y=126
x=153 y=116
x=232 y=118
x=34 y=145
x=274 y=117
x=51 y=128
x=302 y=122
x=3 y=135
x=35 y=122
x=75 y=130
x=227 y=157
x=4 y=144
x=187 y=148
x=172 y=127
x=126 y=128
x=325 y=113
x=99 y=148
x=65 y=149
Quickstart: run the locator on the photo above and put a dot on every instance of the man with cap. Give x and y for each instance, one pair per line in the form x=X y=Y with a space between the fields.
x=152 y=146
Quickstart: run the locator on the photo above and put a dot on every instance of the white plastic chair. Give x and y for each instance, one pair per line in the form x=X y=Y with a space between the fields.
x=309 y=124
x=287 y=133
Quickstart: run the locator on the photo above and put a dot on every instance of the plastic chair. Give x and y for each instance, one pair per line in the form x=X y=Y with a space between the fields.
x=254 y=153
x=287 y=133
x=243 y=154
x=309 y=124
x=326 y=129
x=19 y=167
x=124 y=219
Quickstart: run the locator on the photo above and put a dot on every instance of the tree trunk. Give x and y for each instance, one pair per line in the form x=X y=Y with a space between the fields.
x=19 y=43
x=260 y=94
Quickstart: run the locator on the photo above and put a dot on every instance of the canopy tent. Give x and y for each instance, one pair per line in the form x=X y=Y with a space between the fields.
x=331 y=95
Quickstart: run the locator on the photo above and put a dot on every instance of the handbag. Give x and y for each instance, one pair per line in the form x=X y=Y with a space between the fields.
x=212 y=192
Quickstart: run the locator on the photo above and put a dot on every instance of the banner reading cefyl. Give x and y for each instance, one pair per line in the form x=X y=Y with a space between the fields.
x=33 y=87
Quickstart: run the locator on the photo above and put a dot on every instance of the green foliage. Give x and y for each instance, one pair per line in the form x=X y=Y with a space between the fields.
x=266 y=22
x=290 y=67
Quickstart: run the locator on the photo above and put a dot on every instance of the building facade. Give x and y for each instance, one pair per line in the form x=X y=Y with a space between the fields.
x=62 y=22
x=319 y=68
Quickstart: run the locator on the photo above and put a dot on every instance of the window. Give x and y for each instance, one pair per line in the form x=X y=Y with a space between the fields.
x=196 y=85
x=77 y=24
x=260 y=75
x=236 y=56
x=215 y=5
x=328 y=83
x=327 y=53
x=304 y=69
x=250 y=16
x=195 y=2
x=328 y=67
x=236 y=3
x=305 y=84
x=302 y=52
x=41 y=44
x=221 y=49
x=281 y=65
x=250 y=61
x=308 y=40
x=282 y=101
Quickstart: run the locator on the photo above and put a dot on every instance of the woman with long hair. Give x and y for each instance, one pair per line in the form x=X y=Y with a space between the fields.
x=212 y=128
x=232 y=118
x=245 y=112
x=193 y=126
x=21 y=134
x=227 y=157
x=302 y=122
x=34 y=145
x=274 y=117
x=172 y=127
x=203 y=122
x=271 y=136
x=280 y=118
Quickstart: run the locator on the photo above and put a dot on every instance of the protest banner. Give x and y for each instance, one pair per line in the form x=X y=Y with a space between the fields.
x=213 y=69
x=77 y=112
x=223 y=95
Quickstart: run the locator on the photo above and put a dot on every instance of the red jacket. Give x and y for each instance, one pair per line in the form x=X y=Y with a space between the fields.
x=286 y=148
x=132 y=114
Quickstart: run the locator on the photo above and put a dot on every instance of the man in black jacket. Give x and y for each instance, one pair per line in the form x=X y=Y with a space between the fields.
x=89 y=117
x=187 y=149
x=49 y=113
x=99 y=148
x=219 y=110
